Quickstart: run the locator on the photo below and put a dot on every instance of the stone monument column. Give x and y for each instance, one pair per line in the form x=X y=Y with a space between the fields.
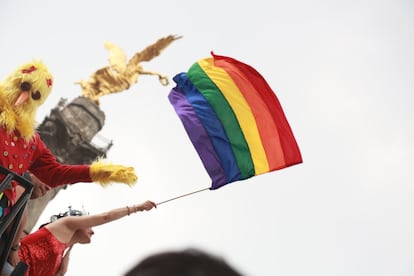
x=68 y=132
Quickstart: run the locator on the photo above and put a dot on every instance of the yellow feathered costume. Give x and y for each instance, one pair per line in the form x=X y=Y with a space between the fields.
x=21 y=93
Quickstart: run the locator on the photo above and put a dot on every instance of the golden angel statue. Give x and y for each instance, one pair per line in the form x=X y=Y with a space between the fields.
x=121 y=74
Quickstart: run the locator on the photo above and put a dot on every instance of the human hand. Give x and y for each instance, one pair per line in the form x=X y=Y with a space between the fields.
x=146 y=206
x=13 y=258
x=39 y=187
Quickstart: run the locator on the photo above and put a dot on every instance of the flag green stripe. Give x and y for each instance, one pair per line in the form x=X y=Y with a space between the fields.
x=227 y=117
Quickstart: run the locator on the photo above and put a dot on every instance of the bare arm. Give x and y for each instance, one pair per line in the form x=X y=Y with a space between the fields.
x=99 y=219
x=65 y=263
x=65 y=227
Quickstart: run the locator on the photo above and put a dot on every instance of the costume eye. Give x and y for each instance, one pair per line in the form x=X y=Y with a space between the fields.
x=25 y=86
x=36 y=95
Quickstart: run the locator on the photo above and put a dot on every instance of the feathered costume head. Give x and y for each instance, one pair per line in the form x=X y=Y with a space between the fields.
x=21 y=93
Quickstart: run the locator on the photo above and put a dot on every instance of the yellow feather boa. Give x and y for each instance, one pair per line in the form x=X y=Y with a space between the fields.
x=105 y=173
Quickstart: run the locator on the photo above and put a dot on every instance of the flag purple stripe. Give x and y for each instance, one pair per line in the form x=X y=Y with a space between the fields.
x=213 y=127
x=198 y=137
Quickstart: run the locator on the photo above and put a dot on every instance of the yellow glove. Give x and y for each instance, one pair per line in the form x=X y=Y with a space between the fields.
x=105 y=173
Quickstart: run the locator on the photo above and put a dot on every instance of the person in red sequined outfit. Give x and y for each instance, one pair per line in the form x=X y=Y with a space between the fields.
x=46 y=251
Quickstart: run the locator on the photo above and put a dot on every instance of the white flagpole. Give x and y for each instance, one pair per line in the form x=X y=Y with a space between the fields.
x=177 y=197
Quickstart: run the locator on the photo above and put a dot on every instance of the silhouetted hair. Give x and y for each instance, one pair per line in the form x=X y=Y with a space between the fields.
x=189 y=262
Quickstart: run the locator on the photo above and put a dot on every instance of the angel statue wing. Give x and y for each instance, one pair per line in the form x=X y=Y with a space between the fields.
x=120 y=74
x=152 y=51
x=117 y=57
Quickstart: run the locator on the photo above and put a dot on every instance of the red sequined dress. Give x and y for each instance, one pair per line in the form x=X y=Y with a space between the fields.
x=42 y=252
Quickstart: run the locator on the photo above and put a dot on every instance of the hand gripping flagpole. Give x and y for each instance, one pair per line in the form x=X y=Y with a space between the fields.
x=177 y=197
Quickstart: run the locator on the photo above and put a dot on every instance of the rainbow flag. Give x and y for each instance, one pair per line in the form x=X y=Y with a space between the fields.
x=234 y=120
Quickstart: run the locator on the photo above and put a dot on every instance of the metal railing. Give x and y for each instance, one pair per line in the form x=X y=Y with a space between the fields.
x=10 y=223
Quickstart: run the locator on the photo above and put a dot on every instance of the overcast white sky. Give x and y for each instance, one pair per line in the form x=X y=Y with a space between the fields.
x=343 y=72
